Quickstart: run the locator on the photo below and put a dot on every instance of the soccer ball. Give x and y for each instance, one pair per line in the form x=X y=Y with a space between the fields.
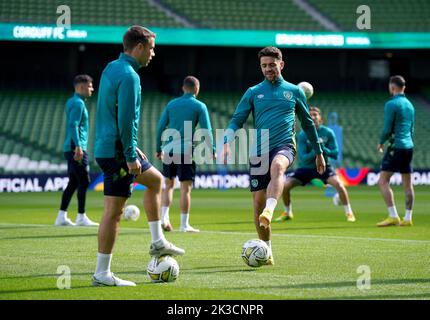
x=163 y=269
x=307 y=89
x=336 y=199
x=131 y=212
x=255 y=253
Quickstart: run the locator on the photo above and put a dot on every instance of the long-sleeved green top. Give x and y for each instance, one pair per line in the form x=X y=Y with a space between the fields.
x=180 y=112
x=399 y=116
x=118 y=109
x=76 y=124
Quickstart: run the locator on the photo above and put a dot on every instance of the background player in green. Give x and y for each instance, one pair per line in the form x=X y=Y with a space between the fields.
x=307 y=170
x=116 y=152
x=179 y=112
x=274 y=104
x=75 y=152
x=398 y=130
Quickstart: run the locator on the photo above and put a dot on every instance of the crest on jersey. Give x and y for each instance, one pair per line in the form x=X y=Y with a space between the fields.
x=288 y=95
x=254 y=183
x=260 y=96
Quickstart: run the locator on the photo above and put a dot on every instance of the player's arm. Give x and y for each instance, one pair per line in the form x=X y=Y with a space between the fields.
x=205 y=123
x=308 y=126
x=304 y=153
x=162 y=123
x=331 y=148
x=389 y=117
x=239 y=117
x=73 y=121
x=128 y=95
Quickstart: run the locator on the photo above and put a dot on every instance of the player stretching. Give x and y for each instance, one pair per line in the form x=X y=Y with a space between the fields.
x=274 y=104
x=75 y=152
x=307 y=170
x=116 y=152
x=178 y=113
x=398 y=130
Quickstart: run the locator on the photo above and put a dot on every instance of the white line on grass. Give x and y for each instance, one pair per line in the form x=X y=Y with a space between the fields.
x=244 y=233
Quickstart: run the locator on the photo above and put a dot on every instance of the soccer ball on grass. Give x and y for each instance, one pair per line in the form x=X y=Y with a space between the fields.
x=255 y=253
x=131 y=212
x=163 y=269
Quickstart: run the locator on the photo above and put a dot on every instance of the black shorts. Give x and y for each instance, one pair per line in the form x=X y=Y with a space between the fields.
x=261 y=181
x=184 y=171
x=117 y=181
x=78 y=170
x=397 y=160
x=305 y=175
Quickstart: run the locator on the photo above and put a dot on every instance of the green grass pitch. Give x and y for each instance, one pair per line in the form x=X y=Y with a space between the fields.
x=317 y=254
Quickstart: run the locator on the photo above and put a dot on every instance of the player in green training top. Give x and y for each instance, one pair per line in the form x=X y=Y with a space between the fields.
x=274 y=104
x=398 y=130
x=177 y=153
x=307 y=170
x=116 y=152
x=75 y=152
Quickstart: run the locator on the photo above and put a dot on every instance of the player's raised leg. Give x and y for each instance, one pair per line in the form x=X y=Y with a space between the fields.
x=344 y=197
x=409 y=199
x=289 y=184
x=185 y=204
x=387 y=193
x=152 y=179
x=278 y=167
x=166 y=201
x=265 y=234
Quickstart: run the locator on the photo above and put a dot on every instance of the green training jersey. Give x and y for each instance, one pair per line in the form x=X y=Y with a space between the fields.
x=307 y=153
x=274 y=106
x=118 y=109
x=76 y=124
x=399 y=116
x=175 y=115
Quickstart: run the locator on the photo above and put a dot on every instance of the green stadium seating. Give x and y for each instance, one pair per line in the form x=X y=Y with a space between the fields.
x=386 y=15
x=245 y=14
x=94 y=12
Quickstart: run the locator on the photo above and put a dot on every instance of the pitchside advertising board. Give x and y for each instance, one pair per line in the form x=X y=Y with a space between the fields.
x=231 y=180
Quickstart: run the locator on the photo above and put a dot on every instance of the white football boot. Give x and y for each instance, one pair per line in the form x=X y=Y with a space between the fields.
x=84 y=221
x=110 y=280
x=162 y=248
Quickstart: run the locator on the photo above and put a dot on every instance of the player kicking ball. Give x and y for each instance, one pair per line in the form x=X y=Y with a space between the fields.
x=307 y=170
x=274 y=104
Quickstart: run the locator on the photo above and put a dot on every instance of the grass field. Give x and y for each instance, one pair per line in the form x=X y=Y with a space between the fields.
x=317 y=254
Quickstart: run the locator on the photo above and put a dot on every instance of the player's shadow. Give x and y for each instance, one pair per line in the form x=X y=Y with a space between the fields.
x=289 y=228
x=51 y=236
x=326 y=285
x=42 y=289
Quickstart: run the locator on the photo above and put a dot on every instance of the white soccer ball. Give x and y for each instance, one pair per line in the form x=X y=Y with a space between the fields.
x=131 y=212
x=255 y=253
x=307 y=88
x=163 y=269
x=336 y=200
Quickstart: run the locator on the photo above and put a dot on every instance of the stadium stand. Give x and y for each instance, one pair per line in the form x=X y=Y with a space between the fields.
x=386 y=15
x=95 y=12
x=32 y=127
x=245 y=14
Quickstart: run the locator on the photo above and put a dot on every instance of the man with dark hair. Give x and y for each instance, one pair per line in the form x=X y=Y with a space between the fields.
x=75 y=152
x=179 y=113
x=116 y=152
x=398 y=130
x=274 y=103
x=307 y=170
